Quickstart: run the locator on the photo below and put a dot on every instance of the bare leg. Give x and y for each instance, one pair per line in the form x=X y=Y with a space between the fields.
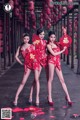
x=31 y=91
x=33 y=85
x=37 y=86
x=60 y=75
x=25 y=77
x=51 y=74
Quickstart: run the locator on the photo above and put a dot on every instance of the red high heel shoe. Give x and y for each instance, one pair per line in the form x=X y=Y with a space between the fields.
x=69 y=102
x=37 y=104
x=50 y=103
x=30 y=102
x=14 y=104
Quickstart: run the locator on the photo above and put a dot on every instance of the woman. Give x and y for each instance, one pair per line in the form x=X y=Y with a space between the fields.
x=40 y=45
x=30 y=63
x=54 y=64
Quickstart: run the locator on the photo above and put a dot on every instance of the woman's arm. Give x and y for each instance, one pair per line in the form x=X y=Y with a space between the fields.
x=17 y=56
x=52 y=52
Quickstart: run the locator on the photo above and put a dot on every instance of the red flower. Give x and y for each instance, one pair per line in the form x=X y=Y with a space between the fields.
x=35 y=37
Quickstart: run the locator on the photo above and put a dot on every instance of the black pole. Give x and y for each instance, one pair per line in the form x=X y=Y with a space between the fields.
x=58 y=31
x=64 y=54
x=15 y=34
x=61 y=32
x=9 y=41
x=72 y=48
x=4 y=41
x=78 y=64
x=12 y=37
x=68 y=33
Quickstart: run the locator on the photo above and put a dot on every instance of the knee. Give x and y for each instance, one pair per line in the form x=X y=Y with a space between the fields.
x=36 y=81
x=50 y=80
x=62 y=81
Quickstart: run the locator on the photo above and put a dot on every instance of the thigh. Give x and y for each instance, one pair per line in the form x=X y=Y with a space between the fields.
x=36 y=74
x=51 y=68
x=40 y=70
x=26 y=75
x=60 y=74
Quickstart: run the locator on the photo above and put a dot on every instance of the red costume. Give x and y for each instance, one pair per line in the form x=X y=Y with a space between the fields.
x=40 y=46
x=55 y=59
x=30 y=58
x=65 y=40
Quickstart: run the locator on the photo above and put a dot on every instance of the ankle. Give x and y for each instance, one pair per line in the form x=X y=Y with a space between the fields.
x=16 y=99
x=49 y=98
x=30 y=98
x=37 y=100
x=68 y=99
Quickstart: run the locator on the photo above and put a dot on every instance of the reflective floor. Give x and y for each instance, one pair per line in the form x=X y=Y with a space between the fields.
x=10 y=81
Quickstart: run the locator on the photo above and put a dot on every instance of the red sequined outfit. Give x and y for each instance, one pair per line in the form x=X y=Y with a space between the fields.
x=40 y=46
x=30 y=58
x=55 y=59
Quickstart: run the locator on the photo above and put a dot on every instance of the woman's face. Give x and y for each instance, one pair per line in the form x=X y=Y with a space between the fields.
x=26 y=39
x=52 y=38
x=64 y=31
x=41 y=35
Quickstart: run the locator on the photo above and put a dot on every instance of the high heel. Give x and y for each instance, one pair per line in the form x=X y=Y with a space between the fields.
x=14 y=104
x=50 y=103
x=37 y=101
x=37 y=104
x=30 y=102
x=69 y=102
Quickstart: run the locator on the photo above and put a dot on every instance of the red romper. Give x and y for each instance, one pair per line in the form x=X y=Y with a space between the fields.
x=40 y=46
x=55 y=59
x=30 y=58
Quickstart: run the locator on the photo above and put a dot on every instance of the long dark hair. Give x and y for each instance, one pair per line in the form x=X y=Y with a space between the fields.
x=50 y=33
x=39 y=30
x=24 y=35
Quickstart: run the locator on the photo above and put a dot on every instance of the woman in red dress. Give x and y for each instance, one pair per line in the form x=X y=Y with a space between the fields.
x=40 y=46
x=54 y=64
x=30 y=63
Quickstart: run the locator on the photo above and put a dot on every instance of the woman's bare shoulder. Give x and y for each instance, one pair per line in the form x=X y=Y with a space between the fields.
x=48 y=45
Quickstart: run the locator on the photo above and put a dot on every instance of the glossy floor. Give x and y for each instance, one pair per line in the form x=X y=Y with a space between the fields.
x=60 y=110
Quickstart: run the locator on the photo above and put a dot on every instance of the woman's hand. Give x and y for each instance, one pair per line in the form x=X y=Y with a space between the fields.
x=64 y=48
x=21 y=64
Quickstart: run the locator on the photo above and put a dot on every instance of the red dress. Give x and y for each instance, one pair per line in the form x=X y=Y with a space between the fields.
x=30 y=58
x=40 y=46
x=55 y=59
